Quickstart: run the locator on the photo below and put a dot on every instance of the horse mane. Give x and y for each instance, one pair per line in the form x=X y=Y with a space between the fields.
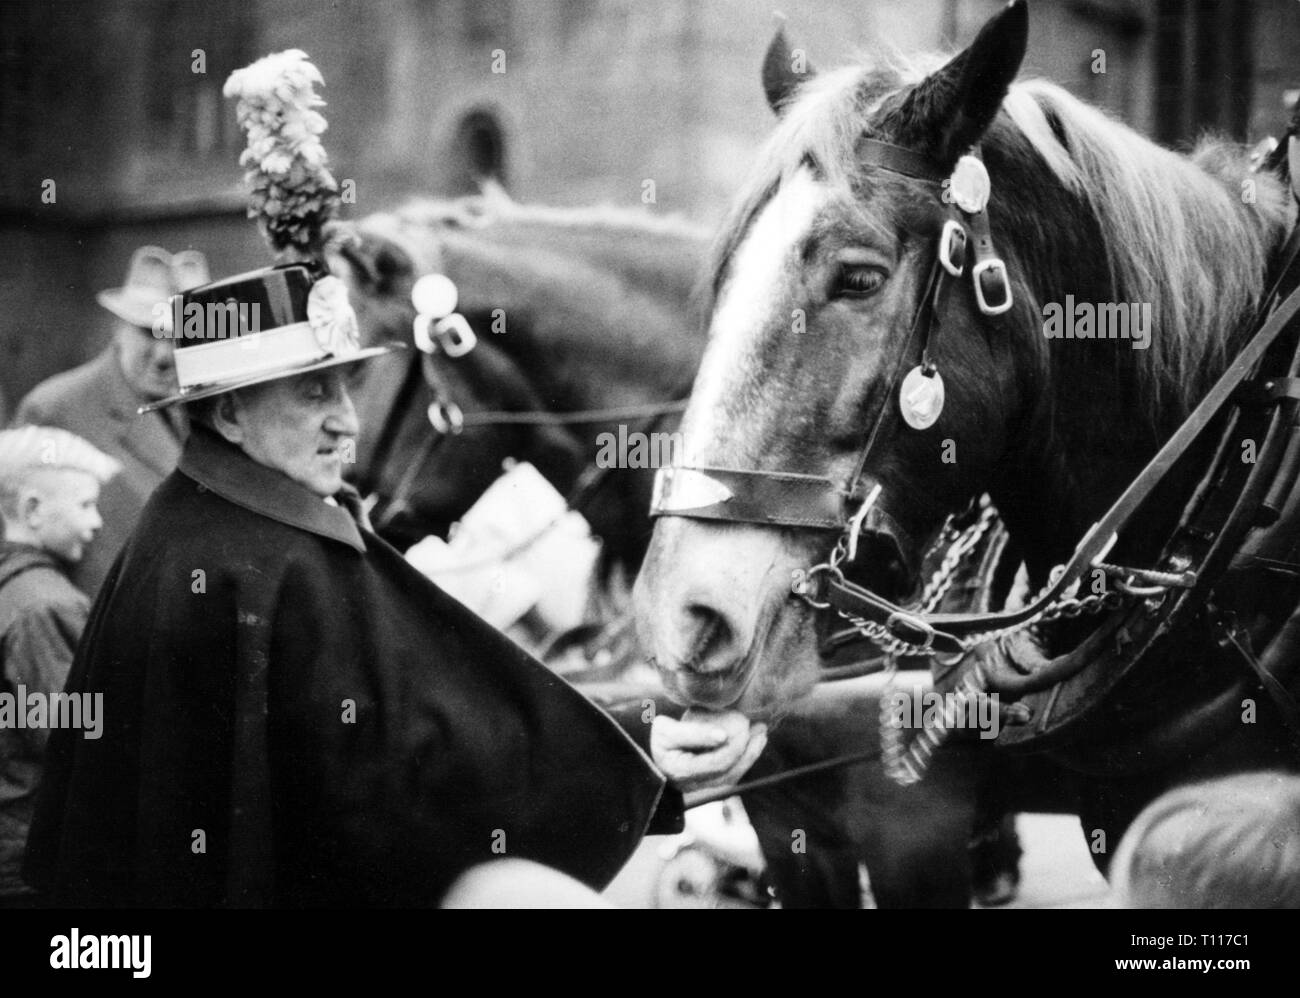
x=1175 y=230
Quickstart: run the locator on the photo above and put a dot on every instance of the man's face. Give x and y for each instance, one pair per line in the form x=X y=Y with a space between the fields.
x=65 y=513
x=146 y=361
x=304 y=426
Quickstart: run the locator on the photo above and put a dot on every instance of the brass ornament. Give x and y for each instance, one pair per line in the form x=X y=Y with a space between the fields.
x=920 y=397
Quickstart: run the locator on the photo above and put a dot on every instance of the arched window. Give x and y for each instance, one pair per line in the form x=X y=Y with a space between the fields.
x=478 y=153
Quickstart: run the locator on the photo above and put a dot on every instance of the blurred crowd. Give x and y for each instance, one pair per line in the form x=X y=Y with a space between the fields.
x=76 y=467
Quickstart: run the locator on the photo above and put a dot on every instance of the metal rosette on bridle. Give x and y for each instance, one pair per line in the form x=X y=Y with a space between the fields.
x=439 y=327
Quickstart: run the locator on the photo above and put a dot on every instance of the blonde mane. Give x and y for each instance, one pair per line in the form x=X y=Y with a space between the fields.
x=1191 y=236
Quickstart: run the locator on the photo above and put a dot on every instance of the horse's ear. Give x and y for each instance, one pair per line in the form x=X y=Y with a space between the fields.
x=948 y=111
x=784 y=69
x=369 y=263
x=344 y=257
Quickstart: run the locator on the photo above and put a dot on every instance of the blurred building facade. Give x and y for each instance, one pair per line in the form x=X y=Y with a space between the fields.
x=567 y=101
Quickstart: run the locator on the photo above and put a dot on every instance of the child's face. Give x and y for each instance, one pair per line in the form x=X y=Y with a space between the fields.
x=66 y=517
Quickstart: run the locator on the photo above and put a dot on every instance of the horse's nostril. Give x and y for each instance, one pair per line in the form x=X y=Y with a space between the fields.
x=708 y=637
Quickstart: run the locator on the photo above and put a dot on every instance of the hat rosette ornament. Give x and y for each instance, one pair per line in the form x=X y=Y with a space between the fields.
x=301 y=318
x=330 y=315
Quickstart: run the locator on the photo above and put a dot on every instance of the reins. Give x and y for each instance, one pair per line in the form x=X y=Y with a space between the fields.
x=579 y=417
x=956 y=633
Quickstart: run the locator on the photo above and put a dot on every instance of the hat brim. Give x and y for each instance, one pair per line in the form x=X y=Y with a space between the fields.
x=207 y=391
x=131 y=306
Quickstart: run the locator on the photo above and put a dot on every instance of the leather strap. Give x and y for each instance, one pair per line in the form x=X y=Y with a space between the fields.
x=906 y=625
x=1280 y=388
x=898 y=159
x=922 y=321
x=989 y=275
x=774 y=498
x=1232 y=636
x=853 y=599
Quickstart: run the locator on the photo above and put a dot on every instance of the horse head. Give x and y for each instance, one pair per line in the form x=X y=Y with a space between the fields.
x=575 y=310
x=880 y=354
x=402 y=398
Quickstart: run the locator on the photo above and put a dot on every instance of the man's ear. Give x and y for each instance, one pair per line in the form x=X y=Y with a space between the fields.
x=29 y=506
x=225 y=418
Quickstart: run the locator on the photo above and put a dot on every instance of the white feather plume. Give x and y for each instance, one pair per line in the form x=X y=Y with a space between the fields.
x=293 y=193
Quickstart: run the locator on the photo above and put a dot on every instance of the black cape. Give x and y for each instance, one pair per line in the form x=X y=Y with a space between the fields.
x=293 y=716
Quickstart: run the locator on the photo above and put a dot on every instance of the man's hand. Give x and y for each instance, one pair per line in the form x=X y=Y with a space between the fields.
x=706 y=749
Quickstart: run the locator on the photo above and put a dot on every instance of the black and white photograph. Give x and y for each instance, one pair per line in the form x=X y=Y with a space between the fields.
x=650 y=454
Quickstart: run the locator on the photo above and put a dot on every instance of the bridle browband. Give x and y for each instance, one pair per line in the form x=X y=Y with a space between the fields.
x=856 y=505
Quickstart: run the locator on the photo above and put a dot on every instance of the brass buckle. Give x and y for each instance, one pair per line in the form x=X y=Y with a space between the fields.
x=420 y=333
x=952 y=246
x=446 y=418
x=455 y=336
x=998 y=268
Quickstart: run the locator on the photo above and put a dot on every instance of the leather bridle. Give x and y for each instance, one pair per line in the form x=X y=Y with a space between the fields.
x=857 y=505
x=451 y=337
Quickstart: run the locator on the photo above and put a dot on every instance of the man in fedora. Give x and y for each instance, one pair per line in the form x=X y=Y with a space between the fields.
x=292 y=714
x=98 y=400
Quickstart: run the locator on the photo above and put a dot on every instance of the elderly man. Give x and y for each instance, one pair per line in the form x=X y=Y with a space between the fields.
x=292 y=714
x=98 y=400
x=49 y=486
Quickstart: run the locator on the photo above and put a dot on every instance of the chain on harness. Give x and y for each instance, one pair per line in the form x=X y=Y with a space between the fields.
x=782 y=498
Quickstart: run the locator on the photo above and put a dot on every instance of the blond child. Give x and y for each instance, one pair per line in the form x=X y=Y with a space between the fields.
x=49 y=488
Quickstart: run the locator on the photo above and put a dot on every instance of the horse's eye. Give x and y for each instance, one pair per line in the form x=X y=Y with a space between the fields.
x=857 y=280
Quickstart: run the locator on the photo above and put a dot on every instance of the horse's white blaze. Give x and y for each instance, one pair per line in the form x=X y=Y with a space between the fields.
x=754 y=290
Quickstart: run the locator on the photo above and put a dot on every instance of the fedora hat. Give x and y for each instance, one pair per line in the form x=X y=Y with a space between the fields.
x=152 y=277
x=267 y=324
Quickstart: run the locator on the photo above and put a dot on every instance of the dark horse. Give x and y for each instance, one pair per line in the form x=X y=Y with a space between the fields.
x=597 y=313
x=560 y=301
x=820 y=305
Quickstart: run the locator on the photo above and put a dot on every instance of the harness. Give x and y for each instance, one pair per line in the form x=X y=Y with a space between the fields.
x=976 y=653
x=439 y=330
x=858 y=505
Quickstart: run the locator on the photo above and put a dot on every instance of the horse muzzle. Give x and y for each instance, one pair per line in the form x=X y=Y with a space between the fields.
x=714 y=611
